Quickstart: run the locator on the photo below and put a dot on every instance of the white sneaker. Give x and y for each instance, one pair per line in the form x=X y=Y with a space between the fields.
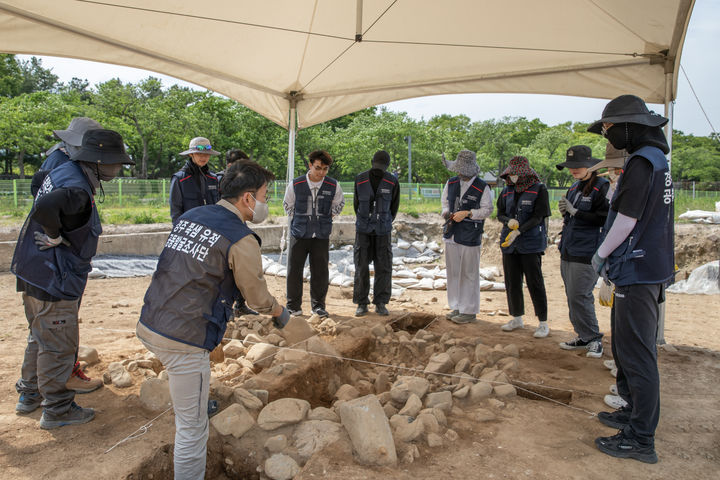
x=613 y=389
x=542 y=331
x=514 y=324
x=615 y=401
x=613 y=372
x=609 y=364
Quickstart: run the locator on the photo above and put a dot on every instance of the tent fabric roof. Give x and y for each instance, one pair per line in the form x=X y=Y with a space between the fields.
x=332 y=57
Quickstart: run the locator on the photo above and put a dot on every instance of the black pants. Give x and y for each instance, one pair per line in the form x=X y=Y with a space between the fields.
x=318 y=250
x=634 y=323
x=378 y=250
x=515 y=265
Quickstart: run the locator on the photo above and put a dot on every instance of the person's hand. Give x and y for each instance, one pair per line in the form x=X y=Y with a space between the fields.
x=562 y=205
x=44 y=242
x=460 y=215
x=606 y=295
x=446 y=214
x=510 y=238
x=281 y=320
x=598 y=264
x=570 y=208
x=513 y=224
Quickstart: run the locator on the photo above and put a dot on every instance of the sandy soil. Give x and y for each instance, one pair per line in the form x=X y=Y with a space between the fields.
x=530 y=439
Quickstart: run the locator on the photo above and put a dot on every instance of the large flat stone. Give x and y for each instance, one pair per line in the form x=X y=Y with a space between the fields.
x=369 y=430
x=286 y=411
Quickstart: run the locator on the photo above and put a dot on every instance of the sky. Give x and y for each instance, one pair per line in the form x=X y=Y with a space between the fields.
x=699 y=59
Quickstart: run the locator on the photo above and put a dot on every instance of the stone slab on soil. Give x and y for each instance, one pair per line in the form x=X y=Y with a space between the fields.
x=369 y=430
x=155 y=394
x=281 y=467
x=312 y=436
x=404 y=386
x=119 y=376
x=88 y=354
x=286 y=411
x=234 y=420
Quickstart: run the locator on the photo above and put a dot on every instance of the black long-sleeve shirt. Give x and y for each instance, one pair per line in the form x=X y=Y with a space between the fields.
x=376 y=176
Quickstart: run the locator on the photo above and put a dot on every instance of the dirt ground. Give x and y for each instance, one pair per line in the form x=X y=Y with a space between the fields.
x=529 y=439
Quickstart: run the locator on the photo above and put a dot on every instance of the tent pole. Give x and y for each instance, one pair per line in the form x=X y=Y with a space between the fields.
x=290 y=174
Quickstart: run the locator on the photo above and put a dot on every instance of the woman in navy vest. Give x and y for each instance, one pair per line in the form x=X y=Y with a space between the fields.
x=637 y=255
x=584 y=209
x=194 y=185
x=523 y=207
x=466 y=203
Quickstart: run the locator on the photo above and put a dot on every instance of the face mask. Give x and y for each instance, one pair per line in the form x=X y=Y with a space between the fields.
x=617 y=135
x=513 y=178
x=613 y=176
x=260 y=213
x=108 y=172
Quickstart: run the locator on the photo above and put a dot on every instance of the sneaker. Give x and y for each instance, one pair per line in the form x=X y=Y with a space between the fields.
x=452 y=314
x=613 y=389
x=81 y=383
x=513 y=324
x=615 y=401
x=613 y=372
x=542 y=331
x=623 y=446
x=462 y=318
x=28 y=402
x=321 y=312
x=294 y=313
x=75 y=416
x=381 y=309
x=620 y=418
x=609 y=364
x=595 y=349
x=213 y=408
x=361 y=310
x=243 y=309
x=575 y=344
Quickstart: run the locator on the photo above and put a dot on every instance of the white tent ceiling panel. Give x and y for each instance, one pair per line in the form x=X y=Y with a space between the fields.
x=261 y=53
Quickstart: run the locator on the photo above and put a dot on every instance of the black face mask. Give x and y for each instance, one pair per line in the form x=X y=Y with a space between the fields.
x=618 y=136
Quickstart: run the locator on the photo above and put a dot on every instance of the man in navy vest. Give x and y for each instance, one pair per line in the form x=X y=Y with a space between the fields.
x=52 y=261
x=376 y=202
x=194 y=185
x=637 y=255
x=467 y=200
x=210 y=257
x=311 y=200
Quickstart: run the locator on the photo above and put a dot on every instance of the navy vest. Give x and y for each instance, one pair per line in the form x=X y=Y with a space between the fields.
x=468 y=232
x=61 y=271
x=647 y=256
x=535 y=239
x=373 y=215
x=190 y=298
x=313 y=220
x=54 y=160
x=192 y=194
x=581 y=238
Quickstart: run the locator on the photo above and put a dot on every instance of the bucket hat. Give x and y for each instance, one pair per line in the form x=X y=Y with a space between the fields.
x=73 y=135
x=628 y=109
x=614 y=158
x=465 y=164
x=578 y=156
x=200 y=145
x=104 y=147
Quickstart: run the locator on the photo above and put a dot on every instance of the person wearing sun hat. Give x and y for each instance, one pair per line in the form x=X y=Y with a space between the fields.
x=584 y=209
x=52 y=262
x=614 y=163
x=468 y=201
x=637 y=255
x=194 y=185
x=523 y=206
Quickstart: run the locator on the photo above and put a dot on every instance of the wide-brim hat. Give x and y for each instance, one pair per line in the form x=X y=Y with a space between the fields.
x=614 y=158
x=73 y=135
x=465 y=164
x=200 y=145
x=628 y=109
x=578 y=156
x=103 y=147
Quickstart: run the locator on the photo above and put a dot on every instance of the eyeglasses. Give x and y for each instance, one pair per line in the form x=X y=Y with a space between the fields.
x=202 y=147
x=605 y=128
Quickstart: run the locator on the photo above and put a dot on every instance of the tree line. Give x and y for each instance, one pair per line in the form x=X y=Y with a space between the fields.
x=157 y=122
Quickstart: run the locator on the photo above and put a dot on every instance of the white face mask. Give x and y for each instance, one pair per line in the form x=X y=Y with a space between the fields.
x=261 y=211
x=513 y=178
x=613 y=176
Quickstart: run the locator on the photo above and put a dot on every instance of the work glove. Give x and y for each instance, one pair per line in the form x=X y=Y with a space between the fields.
x=570 y=208
x=562 y=205
x=513 y=224
x=44 y=242
x=510 y=238
x=598 y=264
x=446 y=214
x=281 y=320
x=606 y=294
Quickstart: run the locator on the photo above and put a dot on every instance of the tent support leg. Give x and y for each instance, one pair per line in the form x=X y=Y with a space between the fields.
x=290 y=169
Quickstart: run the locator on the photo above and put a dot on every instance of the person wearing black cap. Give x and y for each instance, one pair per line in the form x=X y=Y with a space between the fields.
x=637 y=255
x=194 y=184
x=52 y=262
x=376 y=202
x=584 y=209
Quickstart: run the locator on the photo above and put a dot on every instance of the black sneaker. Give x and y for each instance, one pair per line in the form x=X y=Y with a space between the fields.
x=622 y=446
x=243 y=309
x=294 y=313
x=75 y=416
x=594 y=349
x=321 y=312
x=28 y=402
x=380 y=309
x=574 y=344
x=361 y=310
x=213 y=408
x=620 y=418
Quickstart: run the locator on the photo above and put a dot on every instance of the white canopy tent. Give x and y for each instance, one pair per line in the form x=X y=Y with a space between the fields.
x=314 y=60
